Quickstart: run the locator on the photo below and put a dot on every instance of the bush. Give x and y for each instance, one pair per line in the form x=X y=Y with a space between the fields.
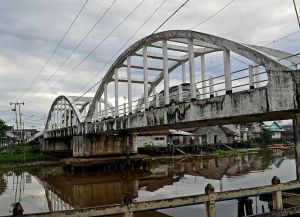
x=18 y=150
x=35 y=149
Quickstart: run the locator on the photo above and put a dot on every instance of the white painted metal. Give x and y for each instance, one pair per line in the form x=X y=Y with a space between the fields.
x=129 y=84
x=192 y=68
x=166 y=72
x=227 y=70
x=145 y=65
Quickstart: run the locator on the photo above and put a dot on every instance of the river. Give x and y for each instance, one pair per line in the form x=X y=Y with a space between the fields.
x=50 y=189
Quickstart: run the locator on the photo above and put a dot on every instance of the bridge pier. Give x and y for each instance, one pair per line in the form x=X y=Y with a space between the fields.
x=57 y=146
x=96 y=145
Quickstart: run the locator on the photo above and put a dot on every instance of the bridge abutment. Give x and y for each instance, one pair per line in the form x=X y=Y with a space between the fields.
x=56 y=146
x=96 y=145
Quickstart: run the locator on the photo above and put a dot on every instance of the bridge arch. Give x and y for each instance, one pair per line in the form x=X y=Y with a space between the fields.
x=63 y=113
x=195 y=44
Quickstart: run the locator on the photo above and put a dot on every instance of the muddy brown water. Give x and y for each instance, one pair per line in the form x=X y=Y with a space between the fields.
x=40 y=192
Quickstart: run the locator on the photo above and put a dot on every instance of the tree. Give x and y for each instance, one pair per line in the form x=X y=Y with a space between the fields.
x=3 y=128
x=265 y=136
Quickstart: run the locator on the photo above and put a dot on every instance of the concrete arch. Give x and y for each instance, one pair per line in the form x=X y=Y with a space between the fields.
x=211 y=42
x=68 y=100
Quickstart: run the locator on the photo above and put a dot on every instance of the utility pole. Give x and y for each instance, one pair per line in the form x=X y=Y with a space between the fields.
x=15 y=104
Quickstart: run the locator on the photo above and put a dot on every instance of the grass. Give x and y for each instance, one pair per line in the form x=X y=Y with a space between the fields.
x=223 y=153
x=20 y=154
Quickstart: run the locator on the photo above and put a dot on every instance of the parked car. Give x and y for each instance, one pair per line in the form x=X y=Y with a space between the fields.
x=174 y=95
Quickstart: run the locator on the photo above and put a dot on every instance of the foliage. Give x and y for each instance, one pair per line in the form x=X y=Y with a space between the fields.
x=265 y=136
x=20 y=154
x=3 y=128
x=251 y=143
x=150 y=148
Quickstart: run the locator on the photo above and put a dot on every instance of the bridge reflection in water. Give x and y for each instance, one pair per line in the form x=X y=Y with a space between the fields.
x=165 y=179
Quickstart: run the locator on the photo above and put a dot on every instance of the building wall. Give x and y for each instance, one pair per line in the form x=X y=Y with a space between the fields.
x=158 y=140
x=210 y=133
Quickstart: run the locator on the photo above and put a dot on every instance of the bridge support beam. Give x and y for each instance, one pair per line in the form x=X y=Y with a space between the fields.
x=96 y=145
x=166 y=72
x=296 y=123
x=129 y=85
x=227 y=71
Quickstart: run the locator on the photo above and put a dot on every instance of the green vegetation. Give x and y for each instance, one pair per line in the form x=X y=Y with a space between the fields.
x=265 y=136
x=223 y=153
x=263 y=140
x=20 y=154
x=3 y=128
x=150 y=148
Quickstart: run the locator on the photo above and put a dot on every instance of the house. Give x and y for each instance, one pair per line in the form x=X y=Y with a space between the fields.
x=276 y=130
x=26 y=133
x=163 y=138
x=8 y=139
x=225 y=134
x=288 y=133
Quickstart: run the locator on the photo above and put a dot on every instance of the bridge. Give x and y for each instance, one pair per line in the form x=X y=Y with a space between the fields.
x=166 y=84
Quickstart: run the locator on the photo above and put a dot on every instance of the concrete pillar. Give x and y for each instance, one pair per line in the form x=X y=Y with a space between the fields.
x=203 y=77
x=70 y=116
x=57 y=117
x=52 y=120
x=116 y=93
x=227 y=71
x=105 y=100
x=210 y=206
x=124 y=106
x=277 y=195
x=296 y=123
x=100 y=109
x=251 y=78
x=145 y=64
x=183 y=72
x=166 y=73
x=65 y=112
x=211 y=87
x=192 y=68
x=129 y=85
x=256 y=76
x=180 y=93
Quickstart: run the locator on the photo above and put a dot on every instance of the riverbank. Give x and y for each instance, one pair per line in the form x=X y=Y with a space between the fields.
x=22 y=156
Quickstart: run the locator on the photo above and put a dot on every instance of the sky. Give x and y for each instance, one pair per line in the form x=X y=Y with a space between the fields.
x=31 y=29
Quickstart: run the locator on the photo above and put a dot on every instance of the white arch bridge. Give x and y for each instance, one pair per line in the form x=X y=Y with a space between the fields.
x=167 y=81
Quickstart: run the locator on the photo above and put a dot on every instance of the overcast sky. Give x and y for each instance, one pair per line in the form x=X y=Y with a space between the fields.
x=31 y=29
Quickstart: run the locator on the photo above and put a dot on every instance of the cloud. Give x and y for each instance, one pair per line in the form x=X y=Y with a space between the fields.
x=30 y=30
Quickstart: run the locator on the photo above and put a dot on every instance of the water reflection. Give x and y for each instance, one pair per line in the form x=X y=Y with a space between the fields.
x=49 y=189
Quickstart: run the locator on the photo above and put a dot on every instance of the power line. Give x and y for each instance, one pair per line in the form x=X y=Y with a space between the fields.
x=77 y=46
x=213 y=15
x=124 y=44
x=56 y=48
x=81 y=41
x=166 y=20
x=282 y=38
x=99 y=44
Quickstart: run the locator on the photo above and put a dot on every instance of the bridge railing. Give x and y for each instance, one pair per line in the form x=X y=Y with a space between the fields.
x=209 y=199
x=241 y=80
